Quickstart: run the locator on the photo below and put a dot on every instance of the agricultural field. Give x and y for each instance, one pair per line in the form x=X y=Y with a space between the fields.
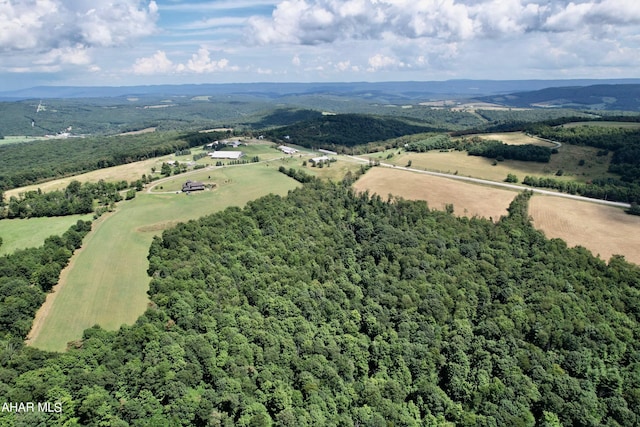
x=567 y=159
x=106 y=281
x=603 y=230
x=612 y=124
x=133 y=171
x=31 y=232
x=467 y=199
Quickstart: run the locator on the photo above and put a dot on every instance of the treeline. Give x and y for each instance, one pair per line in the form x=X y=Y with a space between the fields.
x=329 y=307
x=25 y=277
x=297 y=174
x=37 y=161
x=432 y=142
x=501 y=151
x=601 y=188
x=477 y=146
x=77 y=198
x=345 y=132
x=625 y=144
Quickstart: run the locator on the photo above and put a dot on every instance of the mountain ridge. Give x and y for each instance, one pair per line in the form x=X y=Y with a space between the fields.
x=409 y=90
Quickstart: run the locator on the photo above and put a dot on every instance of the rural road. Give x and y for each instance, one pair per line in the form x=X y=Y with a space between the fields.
x=500 y=184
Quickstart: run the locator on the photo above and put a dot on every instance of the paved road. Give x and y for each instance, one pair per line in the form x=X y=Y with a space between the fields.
x=500 y=184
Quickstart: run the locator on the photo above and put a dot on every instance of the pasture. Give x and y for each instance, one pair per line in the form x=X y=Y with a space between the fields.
x=567 y=159
x=134 y=171
x=31 y=232
x=603 y=230
x=106 y=281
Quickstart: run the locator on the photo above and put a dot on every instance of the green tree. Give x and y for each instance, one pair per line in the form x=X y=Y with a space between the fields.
x=511 y=178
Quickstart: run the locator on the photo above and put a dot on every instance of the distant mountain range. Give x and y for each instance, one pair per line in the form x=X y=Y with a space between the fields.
x=578 y=93
x=624 y=97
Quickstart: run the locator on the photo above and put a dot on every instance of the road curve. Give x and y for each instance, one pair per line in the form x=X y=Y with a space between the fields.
x=501 y=184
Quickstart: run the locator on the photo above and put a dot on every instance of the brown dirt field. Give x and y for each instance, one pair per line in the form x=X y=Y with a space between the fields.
x=467 y=199
x=603 y=230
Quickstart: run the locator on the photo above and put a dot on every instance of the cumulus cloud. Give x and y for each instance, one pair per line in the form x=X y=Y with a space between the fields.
x=200 y=62
x=158 y=63
x=312 y=22
x=53 y=24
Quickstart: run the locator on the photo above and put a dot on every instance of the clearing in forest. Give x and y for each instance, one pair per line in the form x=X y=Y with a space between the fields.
x=450 y=161
x=31 y=232
x=604 y=230
x=106 y=282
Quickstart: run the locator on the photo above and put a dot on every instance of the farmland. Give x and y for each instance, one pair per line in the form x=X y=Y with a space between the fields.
x=567 y=159
x=106 y=282
x=601 y=229
x=28 y=233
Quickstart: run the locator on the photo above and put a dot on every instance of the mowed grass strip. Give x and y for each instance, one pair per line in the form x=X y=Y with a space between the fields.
x=604 y=230
x=106 y=283
x=31 y=232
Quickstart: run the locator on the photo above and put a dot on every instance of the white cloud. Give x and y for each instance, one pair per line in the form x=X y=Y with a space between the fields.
x=379 y=61
x=50 y=24
x=68 y=55
x=310 y=22
x=156 y=64
x=199 y=63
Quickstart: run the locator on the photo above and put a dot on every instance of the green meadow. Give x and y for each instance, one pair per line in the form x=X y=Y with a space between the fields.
x=31 y=232
x=106 y=283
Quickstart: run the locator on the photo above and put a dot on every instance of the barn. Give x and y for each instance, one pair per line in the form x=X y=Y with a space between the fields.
x=233 y=155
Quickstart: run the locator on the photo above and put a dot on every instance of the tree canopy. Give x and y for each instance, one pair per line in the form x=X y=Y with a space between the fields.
x=328 y=307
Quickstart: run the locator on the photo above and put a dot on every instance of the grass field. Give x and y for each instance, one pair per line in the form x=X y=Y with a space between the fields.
x=106 y=282
x=29 y=233
x=603 y=230
x=133 y=171
x=567 y=159
x=18 y=139
x=612 y=124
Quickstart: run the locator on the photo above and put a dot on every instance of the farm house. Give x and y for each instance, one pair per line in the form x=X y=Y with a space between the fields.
x=192 y=186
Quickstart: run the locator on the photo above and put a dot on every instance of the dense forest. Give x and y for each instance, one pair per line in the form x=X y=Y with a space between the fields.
x=328 y=307
x=345 y=132
x=33 y=162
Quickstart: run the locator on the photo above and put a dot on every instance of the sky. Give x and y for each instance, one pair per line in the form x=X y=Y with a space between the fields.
x=133 y=42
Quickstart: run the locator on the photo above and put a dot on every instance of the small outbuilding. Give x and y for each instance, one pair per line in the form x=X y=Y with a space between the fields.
x=192 y=186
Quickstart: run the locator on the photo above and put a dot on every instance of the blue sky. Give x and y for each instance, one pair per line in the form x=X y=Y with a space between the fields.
x=131 y=42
